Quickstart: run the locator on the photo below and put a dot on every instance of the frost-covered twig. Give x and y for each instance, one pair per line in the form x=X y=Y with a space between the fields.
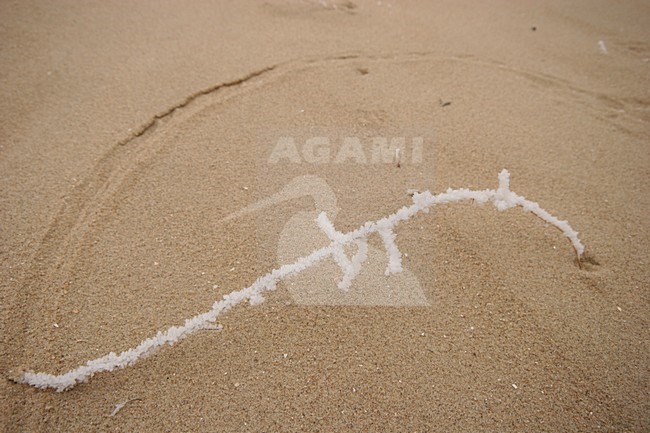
x=502 y=198
x=394 y=255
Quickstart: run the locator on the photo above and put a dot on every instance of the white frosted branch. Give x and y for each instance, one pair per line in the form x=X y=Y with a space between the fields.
x=338 y=254
x=502 y=198
x=357 y=260
x=394 y=254
x=326 y=225
x=564 y=226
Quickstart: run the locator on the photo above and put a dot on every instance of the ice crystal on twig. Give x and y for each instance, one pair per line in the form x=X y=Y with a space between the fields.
x=502 y=198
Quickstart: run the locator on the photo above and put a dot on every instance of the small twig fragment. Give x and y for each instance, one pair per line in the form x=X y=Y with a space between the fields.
x=119 y=406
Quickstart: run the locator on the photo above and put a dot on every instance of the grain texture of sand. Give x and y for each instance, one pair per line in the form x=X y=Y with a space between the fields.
x=158 y=155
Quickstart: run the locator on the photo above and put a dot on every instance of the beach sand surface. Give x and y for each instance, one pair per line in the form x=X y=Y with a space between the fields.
x=133 y=135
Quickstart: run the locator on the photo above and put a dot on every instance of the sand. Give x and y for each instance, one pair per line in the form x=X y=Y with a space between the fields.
x=132 y=133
